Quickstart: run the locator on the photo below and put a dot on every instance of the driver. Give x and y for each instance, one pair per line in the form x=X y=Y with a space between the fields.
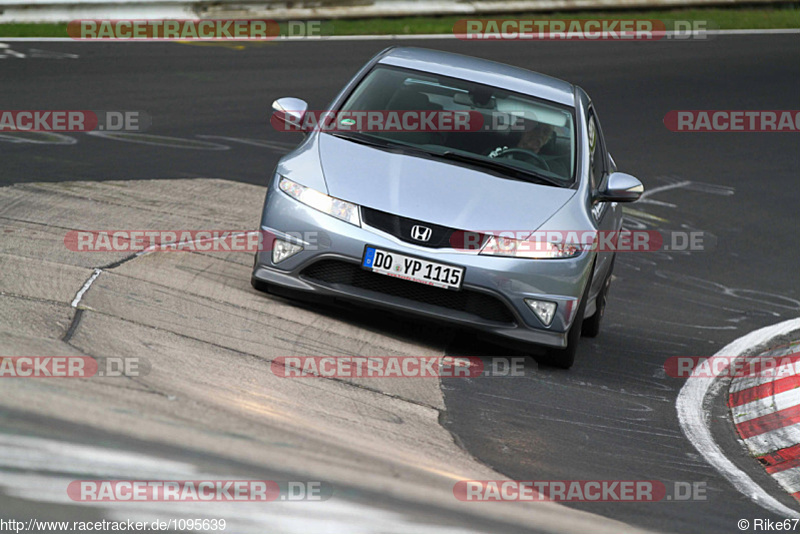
x=532 y=140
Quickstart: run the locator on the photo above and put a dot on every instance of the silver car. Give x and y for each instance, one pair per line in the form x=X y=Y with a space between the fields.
x=446 y=223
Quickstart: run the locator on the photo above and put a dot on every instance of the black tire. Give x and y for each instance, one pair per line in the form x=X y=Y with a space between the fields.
x=591 y=326
x=564 y=358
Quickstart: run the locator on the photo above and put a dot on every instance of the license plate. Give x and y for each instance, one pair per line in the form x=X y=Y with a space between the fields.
x=413 y=269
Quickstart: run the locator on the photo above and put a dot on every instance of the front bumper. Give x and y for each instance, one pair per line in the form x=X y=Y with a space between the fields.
x=489 y=282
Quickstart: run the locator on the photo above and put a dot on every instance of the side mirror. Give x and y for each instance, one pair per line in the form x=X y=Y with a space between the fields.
x=288 y=114
x=620 y=187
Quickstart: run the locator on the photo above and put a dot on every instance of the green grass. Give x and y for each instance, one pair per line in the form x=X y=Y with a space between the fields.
x=781 y=16
x=786 y=16
x=33 y=30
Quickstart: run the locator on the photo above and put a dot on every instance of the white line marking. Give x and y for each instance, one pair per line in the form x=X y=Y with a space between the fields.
x=771 y=31
x=789 y=479
x=750 y=382
x=676 y=185
x=766 y=406
x=275 y=145
x=390 y=37
x=402 y=37
x=85 y=288
x=159 y=140
x=692 y=418
x=774 y=440
x=785 y=368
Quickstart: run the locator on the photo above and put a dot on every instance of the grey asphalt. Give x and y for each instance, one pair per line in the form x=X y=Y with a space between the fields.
x=613 y=415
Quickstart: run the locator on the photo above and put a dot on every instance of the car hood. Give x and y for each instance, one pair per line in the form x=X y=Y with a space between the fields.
x=433 y=191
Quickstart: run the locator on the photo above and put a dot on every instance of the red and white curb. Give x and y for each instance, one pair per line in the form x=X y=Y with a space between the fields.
x=766 y=411
x=694 y=419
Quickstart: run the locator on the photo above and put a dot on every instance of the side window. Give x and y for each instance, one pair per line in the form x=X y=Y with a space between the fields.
x=596 y=150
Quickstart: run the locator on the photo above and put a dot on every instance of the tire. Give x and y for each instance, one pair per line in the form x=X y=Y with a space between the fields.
x=591 y=326
x=564 y=358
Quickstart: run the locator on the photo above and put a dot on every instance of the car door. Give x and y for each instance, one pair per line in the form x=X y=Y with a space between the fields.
x=605 y=215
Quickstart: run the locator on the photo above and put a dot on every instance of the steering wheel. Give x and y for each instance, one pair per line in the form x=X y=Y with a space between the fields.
x=532 y=157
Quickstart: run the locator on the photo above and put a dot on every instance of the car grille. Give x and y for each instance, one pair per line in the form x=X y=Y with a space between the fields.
x=400 y=227
x=472 y=302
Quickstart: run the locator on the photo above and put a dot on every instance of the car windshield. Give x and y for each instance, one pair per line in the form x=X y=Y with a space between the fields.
x=471 y=123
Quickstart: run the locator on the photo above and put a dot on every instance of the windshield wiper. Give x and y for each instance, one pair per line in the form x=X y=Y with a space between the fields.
x=514 y=172
x=363 y=140
x=384 y=144
x=520 y=174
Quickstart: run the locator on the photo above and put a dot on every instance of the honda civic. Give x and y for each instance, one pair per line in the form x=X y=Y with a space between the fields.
x=451 y=188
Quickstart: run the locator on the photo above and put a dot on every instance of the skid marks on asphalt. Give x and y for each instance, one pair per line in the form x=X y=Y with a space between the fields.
x=205 y=142
x=33 y=53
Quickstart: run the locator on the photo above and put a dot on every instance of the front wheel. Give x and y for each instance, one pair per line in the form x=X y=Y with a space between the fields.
x=564 y=358
x=591 y=326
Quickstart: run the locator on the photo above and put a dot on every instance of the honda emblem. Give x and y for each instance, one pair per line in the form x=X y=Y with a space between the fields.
x=421 y=233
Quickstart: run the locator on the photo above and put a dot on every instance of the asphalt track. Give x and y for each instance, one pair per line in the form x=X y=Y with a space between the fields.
x=613 y=415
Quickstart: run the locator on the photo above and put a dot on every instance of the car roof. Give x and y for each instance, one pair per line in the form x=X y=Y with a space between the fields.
x=482 y=71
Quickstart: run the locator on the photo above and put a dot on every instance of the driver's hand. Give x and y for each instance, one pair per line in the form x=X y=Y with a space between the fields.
x=497 y=152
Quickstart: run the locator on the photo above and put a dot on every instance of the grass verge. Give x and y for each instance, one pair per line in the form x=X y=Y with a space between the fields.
x=733 y=18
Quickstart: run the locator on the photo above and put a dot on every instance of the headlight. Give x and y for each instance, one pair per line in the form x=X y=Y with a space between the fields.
x=340 y=209
x=535 y=249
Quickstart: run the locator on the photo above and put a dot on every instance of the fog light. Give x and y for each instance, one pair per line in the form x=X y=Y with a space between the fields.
x=543 y=309
x=282 y=250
